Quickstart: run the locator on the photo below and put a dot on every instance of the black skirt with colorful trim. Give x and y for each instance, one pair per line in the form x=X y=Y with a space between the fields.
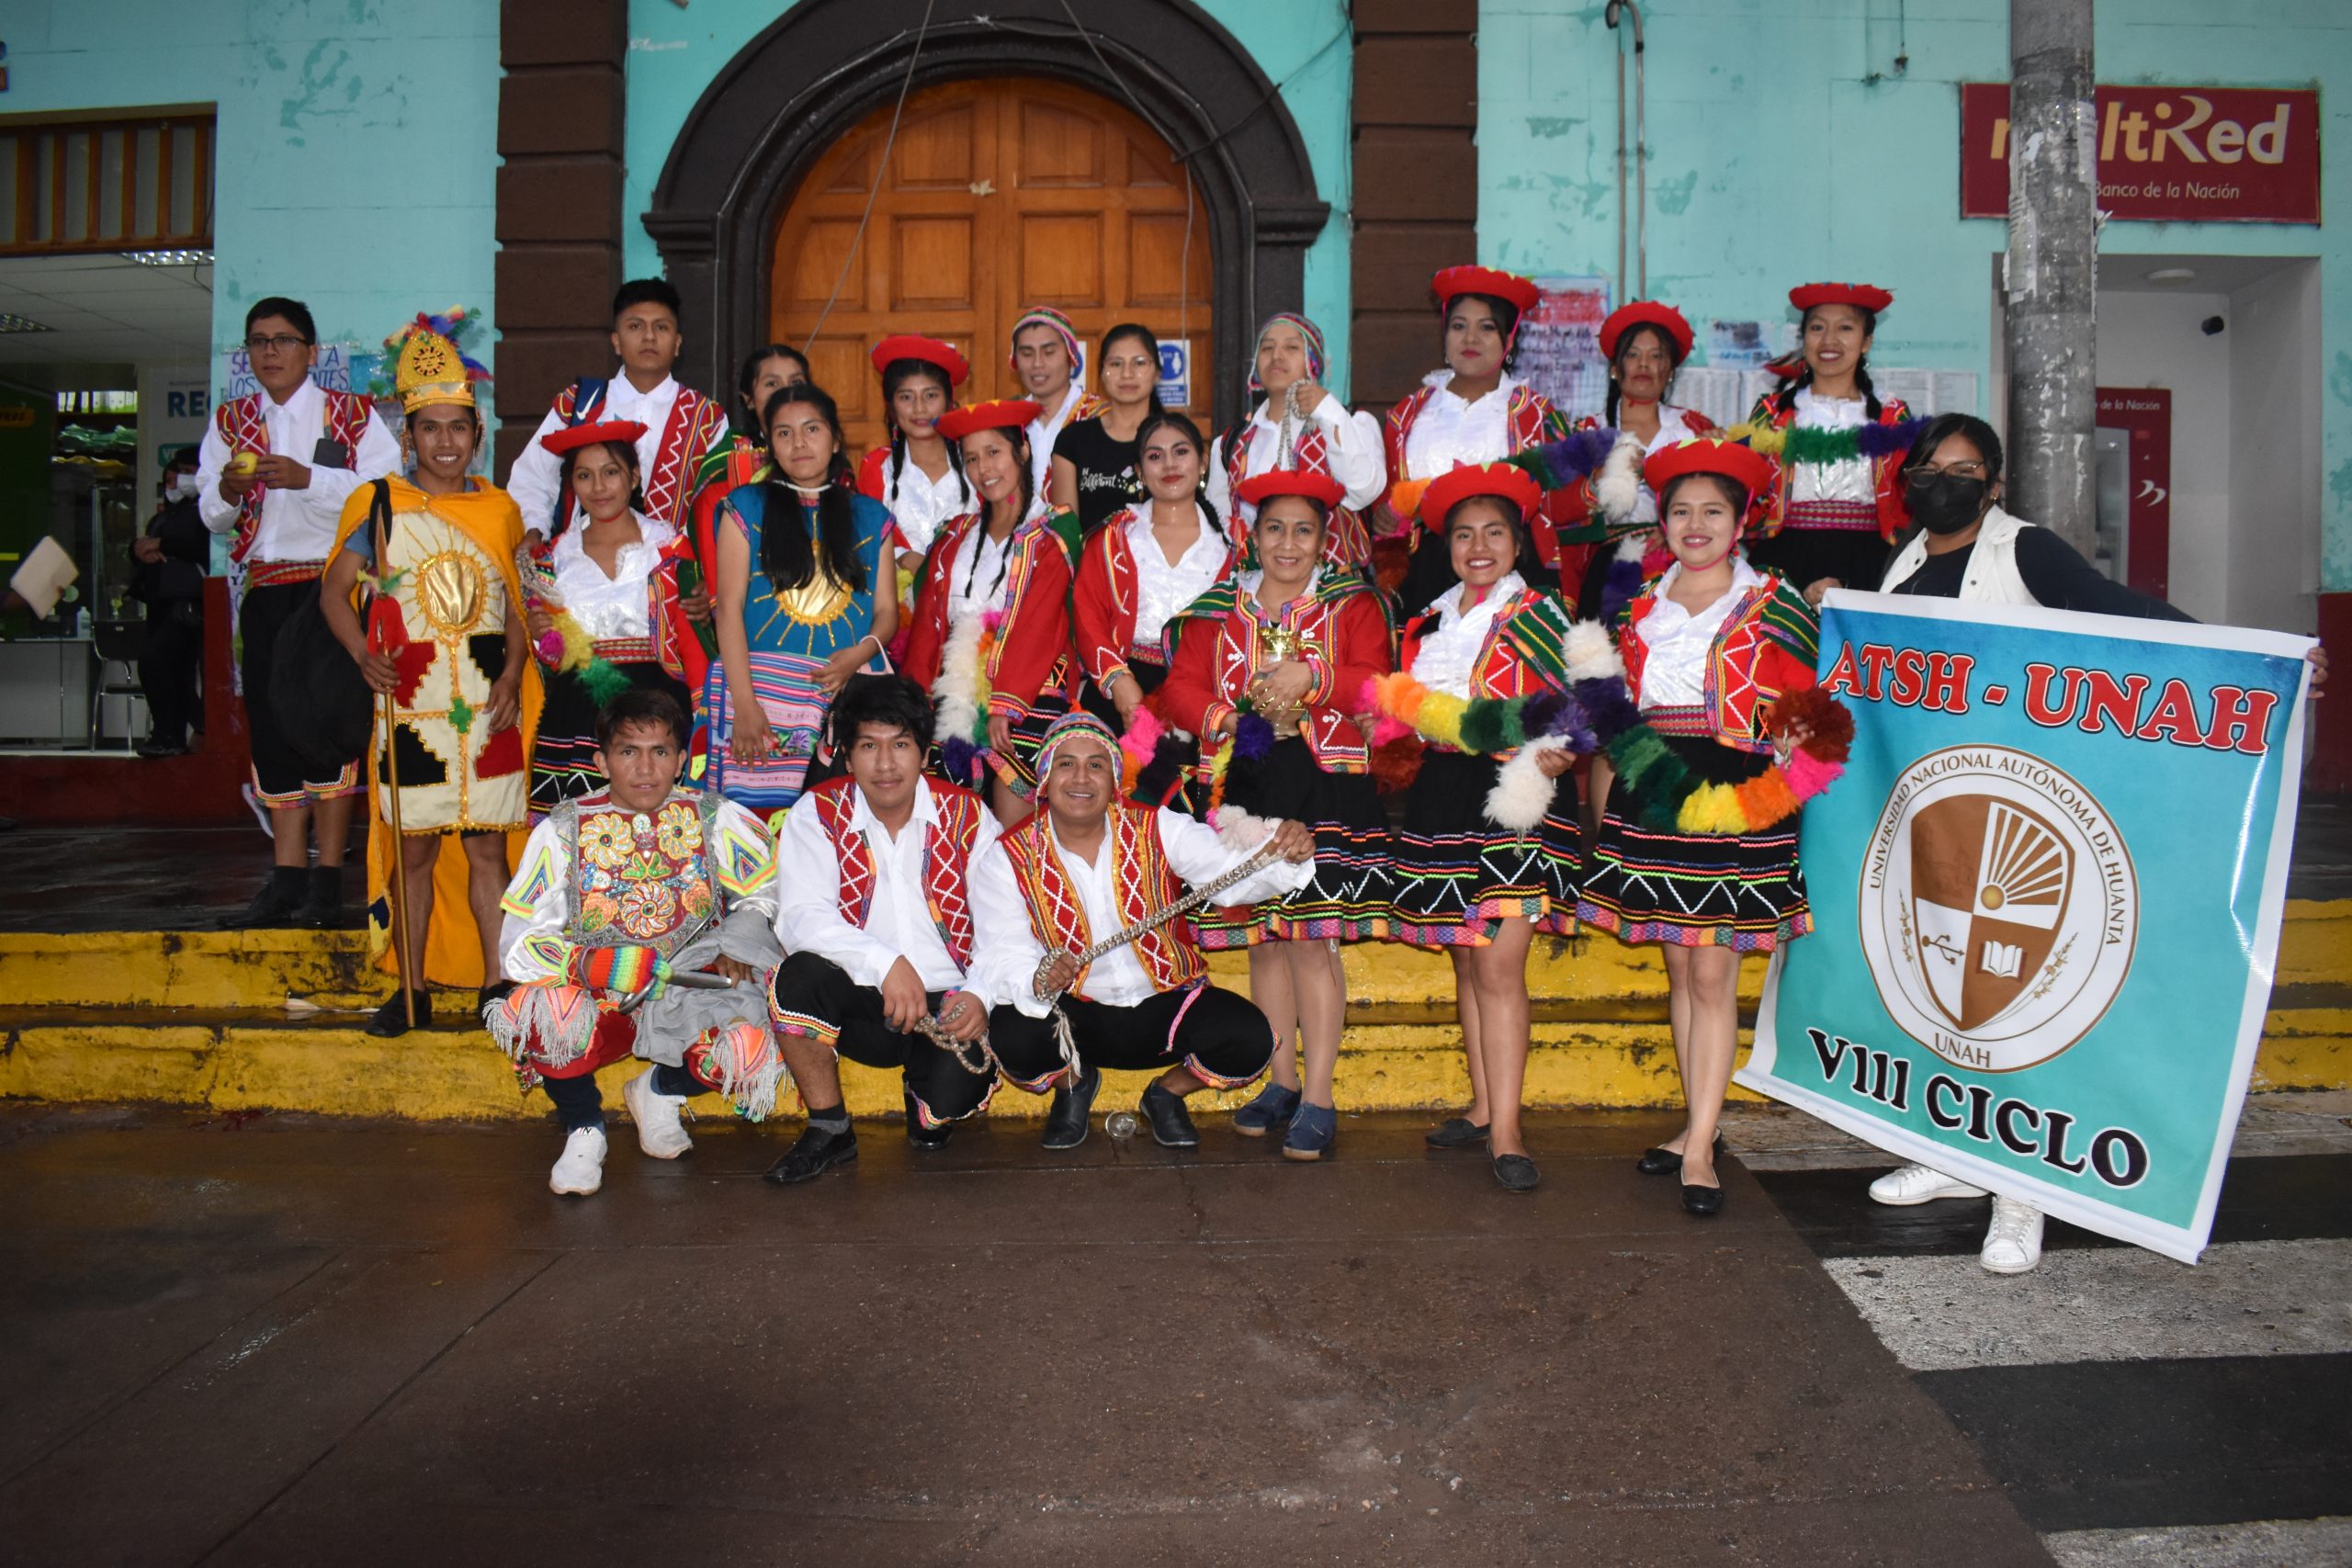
x=1742 y=891
x=1350 y=898
x=563 y=757
x=1458 y=877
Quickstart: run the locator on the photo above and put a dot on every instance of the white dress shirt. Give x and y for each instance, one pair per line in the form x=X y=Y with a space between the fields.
x=1449 y=650
x=1163 y=588
x=296 y=525
x=1849 y=479
x=898 y=919
x=1449 y=431
x=1005 y=958
x=918 y=504
x=1672 y=427
x=537 y=475
x=618 y=605
x=1355 y=457
x=1043 y=430
x=1674 y=668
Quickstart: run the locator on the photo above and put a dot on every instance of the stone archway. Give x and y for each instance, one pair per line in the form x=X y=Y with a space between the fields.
x=775 y=107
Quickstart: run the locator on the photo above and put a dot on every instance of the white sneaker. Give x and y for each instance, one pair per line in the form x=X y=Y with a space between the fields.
x=2014 y=1243
x=1918 y=1184
x=582 y=1170
x=659 y=1131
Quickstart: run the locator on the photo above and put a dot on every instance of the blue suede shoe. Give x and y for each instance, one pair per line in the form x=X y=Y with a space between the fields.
x=1312 y=1132
x=1272 y=1108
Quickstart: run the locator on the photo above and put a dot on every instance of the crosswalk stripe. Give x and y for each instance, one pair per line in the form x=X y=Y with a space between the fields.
x=2251 y=1298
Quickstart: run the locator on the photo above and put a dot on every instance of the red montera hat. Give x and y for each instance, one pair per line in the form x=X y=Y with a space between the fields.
x=997 y=413
x=572 y=437
x=1650 y=312
x=1743 y=465
x=1464 y=481
x=1312 y=483
x=1456 y=281
x=1861 y=296
x=930 y=350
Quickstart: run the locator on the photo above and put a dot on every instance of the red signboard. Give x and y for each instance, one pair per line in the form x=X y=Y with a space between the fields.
x=2168 y=154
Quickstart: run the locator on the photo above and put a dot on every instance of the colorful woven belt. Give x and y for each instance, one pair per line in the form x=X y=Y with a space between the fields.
x=625 y=649
x=1692 y=721
x=279 y=573
x=1842 y=514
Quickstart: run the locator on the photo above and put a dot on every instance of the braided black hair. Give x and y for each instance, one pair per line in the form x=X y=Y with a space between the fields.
x=1786 y=398
x=897 y=373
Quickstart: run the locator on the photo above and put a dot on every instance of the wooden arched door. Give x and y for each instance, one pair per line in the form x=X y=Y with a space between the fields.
x=999 y=194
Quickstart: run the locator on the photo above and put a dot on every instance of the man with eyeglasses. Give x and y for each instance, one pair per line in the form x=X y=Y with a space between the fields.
x=276 y=468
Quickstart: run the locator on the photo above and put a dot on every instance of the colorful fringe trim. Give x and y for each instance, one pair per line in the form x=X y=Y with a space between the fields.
x=1805 y=443
x=963 y=696
x=1595 y=714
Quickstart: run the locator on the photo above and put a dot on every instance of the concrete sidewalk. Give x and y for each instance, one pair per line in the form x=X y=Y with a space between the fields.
x=296 y=1341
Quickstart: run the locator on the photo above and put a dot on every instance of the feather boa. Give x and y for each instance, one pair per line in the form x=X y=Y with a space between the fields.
x=1808 y=443
x=566 y=645
x=1617 y=491
x=1575 y=456
x=1596 y=714
x=962 y=695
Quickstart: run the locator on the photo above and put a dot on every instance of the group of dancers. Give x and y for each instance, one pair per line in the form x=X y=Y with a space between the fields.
x=711 y=746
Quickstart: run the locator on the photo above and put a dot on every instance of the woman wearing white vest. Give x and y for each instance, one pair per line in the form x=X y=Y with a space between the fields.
x=1964 y=547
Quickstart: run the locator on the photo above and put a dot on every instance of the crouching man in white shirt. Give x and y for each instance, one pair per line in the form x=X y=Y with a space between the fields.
x=641 y=923
x=1086 y=866
x=877 y=923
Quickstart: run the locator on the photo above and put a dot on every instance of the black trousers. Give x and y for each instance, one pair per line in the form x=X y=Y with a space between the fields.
x=278 y=770
x=1222 y=1037
x=169 y=668
x=815 y=997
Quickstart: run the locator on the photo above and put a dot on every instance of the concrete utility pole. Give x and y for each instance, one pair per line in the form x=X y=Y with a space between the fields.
x=2052 y=266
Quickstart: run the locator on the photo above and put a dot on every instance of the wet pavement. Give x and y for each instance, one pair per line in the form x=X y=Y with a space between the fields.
x=291 y=1340
x=75 y=879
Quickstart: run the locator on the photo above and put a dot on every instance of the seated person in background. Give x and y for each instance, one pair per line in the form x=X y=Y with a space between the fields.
x=872 y=909
x=1085 y=866
x=620 y=894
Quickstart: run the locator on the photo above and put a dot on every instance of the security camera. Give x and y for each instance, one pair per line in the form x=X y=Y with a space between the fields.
x=2212 y=326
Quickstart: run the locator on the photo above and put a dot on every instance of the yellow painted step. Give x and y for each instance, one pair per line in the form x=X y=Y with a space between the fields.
x=253 y=970
x=254 y=1061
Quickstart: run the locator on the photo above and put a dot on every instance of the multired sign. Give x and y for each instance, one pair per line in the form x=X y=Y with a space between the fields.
x=2168 y=154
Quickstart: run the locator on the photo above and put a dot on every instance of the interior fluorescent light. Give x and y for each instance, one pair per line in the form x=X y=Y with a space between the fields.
x=11 y=323
x=2172 y=275
x=169 y=258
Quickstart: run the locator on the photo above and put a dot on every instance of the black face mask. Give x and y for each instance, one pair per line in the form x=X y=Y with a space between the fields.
x=1945 y=503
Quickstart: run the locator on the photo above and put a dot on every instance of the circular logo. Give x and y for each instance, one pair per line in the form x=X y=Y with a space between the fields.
x=1998 y=908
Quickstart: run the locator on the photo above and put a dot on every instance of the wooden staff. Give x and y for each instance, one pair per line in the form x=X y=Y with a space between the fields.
x=376 y=519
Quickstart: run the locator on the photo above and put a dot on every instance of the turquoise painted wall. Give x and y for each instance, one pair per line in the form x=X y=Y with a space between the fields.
x=1303 y=44
x=358 y=139
x=1784 y=147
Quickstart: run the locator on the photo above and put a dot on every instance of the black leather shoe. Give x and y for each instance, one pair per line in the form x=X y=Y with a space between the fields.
x=490 y=996
x=1516 y=1173
x=1066 y=1123
x=815 y=1152
x=1701 y=1200
x=1171 y=1124
x=392 y=1020
x=1455 y=1133
x=321 y=905
x=921 y=1137
x=1666 y=1162
x=275 y=905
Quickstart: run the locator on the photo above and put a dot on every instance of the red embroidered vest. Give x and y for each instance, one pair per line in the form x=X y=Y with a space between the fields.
x=241 y=426
x=1142 y=879
x=946 y=856
x=1345 y=544
x=644 y=877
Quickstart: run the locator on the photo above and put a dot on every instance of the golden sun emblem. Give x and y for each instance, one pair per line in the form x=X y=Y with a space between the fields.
x=450 y=592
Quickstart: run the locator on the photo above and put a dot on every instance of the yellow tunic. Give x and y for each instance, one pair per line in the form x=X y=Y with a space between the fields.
x=451 y=569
